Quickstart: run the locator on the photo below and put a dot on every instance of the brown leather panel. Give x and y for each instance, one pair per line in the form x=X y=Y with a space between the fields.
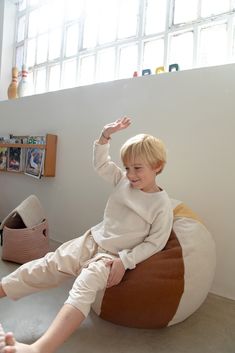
x=149 y=295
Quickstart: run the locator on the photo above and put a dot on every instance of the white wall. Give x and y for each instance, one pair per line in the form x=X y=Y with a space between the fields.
x=192 y=111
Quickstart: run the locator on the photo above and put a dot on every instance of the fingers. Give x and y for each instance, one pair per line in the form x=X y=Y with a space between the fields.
x=125 y=122
x=111 y=273
x=108 y=263
x=111 y=280
x=115 y=275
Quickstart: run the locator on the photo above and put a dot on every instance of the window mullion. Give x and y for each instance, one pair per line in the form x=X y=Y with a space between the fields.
x=230 y=38
x=195 y=44
x=80 y=40
x=140 y=33
x=169 y=23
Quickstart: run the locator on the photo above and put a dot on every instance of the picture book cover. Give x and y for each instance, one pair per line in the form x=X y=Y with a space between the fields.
x=34 y=162
x=3 y=158
x=15 y=160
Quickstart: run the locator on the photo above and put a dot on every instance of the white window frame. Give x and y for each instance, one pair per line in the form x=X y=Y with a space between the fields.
x=140 y=38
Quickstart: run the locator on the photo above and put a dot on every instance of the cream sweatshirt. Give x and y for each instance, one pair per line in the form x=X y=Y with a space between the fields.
x=136 y=224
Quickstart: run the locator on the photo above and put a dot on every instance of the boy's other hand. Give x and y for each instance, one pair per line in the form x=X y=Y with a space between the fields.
x=117 y=271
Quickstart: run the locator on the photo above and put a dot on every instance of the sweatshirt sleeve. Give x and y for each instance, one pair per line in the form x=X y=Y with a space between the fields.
x=103 y=165
x=153 y=243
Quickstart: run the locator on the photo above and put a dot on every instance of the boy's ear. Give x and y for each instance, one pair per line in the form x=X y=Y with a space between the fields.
x=158 y=167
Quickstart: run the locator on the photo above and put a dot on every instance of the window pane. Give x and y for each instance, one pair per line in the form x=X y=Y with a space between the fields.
x=33 y=2
x=155 y=16
x=54 y=44
x=90 y=33
x=54 y=78
x=40 y=86
x=44 y=18
x=214 y=7
x=69 y=73
x=21 y=29
x=106 y=65
x=87 y=69
x=73 y=9
x=108 y=21
x=185 y=11
x=31 y=50
x=178 y=54
x=153 y=54
x=33 y=23
x=56 y=13
x=22 y=5
x=19 y=56
x=71 y=40
x=128 y=61
x=42 y=48
x=92 y=11
x=213 y=45
x=128 y=18
x=30 y=83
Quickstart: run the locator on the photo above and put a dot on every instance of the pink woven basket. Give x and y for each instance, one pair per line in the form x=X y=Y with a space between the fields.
x=25 y=244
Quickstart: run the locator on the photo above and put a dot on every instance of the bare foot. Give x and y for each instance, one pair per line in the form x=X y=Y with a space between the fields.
x=2 y=339
x=8 y=344
x=19 y=348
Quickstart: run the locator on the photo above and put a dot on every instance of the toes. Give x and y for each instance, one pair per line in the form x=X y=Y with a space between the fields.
x=2 y=339
x=9 y=349
x=9 y=339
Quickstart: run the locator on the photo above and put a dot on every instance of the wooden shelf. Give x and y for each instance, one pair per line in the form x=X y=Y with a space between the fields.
x=50 y=153
x=22 y=145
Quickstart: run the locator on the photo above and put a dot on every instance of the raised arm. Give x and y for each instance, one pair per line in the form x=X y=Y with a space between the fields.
x=101 y=159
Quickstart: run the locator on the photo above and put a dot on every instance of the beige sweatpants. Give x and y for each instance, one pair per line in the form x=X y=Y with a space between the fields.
x=81 y=258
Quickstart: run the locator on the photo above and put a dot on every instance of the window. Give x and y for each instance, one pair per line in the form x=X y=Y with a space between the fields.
x=178 y=52
x=213 y=45
x=68 y=43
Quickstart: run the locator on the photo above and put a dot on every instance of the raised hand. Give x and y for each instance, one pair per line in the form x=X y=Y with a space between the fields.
x=117 y=125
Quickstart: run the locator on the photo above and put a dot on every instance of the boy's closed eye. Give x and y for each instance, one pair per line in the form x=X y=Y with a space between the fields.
x=136 y=168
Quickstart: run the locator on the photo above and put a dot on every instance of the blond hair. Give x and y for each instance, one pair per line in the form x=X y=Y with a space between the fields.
x=147 y=147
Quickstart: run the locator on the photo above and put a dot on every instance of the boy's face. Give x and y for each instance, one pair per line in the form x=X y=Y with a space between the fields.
x=141 y=175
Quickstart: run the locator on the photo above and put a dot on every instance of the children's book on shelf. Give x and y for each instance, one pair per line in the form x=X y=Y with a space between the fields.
x=16 y=159
x=40 y=140
x=34 y=162
x=3 y=158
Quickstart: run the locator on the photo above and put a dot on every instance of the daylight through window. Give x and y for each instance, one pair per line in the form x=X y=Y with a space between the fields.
x=67 y=43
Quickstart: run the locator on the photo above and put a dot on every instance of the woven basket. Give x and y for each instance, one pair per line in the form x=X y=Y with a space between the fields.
x=22 y=244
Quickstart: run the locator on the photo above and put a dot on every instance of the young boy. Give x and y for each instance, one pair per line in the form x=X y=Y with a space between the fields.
x=137 y=223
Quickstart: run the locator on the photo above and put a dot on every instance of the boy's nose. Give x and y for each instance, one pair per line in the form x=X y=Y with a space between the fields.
x=130 y=173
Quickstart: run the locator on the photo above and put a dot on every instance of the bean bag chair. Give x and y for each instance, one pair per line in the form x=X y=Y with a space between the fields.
x=169 y=286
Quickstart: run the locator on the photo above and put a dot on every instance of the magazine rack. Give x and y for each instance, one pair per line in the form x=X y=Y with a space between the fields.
x=50 y=153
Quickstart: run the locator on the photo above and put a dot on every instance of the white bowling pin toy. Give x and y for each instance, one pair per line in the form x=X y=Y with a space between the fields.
x=23 y=87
